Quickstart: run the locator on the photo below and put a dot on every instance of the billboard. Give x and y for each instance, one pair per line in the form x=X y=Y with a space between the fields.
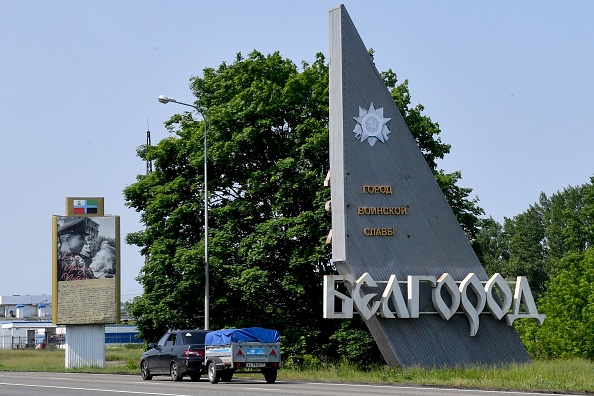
x=86 y=266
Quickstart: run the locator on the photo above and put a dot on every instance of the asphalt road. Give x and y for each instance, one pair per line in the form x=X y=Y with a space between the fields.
x=75 y=384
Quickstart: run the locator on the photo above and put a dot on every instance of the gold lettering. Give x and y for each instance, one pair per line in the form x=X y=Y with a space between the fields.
x=379 y=231
x=382 y=210
x=387 y=190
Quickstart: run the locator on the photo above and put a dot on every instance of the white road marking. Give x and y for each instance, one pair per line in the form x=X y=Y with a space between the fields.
x=93 y=389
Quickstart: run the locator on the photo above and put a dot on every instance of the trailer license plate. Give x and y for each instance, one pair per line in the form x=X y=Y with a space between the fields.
x=255 y=365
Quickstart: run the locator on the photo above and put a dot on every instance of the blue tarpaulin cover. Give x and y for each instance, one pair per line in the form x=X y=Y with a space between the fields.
x=257 y=334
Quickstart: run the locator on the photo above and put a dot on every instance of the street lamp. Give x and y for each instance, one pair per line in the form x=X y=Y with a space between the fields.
x=165 y=100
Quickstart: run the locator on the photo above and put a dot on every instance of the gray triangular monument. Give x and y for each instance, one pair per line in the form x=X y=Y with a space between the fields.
x=389 y=217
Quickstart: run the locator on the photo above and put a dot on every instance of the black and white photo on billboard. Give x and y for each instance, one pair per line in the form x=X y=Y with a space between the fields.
x=86 y=248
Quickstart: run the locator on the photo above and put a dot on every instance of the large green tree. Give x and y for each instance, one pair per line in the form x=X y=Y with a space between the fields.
x=532 y=242
x=493 y=246
x=267 y=159
x=550 y=243
x=568 y=330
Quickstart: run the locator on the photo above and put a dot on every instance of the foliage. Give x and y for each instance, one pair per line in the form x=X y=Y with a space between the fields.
x=353 y=343
x=568 y=331
x=533 y=242
x=493 y=246
x=267 y=156
x=551 y=244
x=527 y=254
x=267 y=130
x=569 y=219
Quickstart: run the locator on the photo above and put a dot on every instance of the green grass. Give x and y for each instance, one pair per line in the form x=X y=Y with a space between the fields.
x=571 y=375
x=558 y=375
x=117 y=360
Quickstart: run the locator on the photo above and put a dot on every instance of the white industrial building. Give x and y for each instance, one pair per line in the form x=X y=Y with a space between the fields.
x=29 y=306
x=26 y=322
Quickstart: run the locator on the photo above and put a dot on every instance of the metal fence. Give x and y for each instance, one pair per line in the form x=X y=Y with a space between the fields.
x=58 y=340
x=15 y=342
x=23 y=342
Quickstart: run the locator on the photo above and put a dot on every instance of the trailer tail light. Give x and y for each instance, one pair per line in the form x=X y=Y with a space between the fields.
x=194 y=353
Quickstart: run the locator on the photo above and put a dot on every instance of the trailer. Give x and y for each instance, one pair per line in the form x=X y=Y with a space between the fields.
x=251 y=349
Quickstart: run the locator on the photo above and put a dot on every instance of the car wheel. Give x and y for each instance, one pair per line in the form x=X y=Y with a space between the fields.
x=144 y=371
x=213 y=375
x=174 y=372
x=195 y=377
x=270 y=375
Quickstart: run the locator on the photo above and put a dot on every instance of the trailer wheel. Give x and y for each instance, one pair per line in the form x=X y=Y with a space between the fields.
x=270 y=375
x=213 y=374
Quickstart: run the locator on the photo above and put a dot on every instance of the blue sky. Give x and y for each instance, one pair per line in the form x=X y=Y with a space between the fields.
x=510 y=84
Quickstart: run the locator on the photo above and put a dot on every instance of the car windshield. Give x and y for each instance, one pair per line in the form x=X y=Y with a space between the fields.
x=163 y=340
x=192 y=337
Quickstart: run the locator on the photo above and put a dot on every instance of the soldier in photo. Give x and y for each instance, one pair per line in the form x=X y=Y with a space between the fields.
x=74 y=259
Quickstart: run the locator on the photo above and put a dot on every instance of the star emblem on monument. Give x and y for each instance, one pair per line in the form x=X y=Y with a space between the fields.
x=371 y=125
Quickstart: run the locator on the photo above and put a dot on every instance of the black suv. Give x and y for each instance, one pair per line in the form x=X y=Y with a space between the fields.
x=178 y=353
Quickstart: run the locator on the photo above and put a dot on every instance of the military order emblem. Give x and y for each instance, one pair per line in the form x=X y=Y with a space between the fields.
x=371 y=125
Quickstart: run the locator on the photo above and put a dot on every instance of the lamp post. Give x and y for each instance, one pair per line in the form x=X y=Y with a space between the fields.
x=165 y=100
